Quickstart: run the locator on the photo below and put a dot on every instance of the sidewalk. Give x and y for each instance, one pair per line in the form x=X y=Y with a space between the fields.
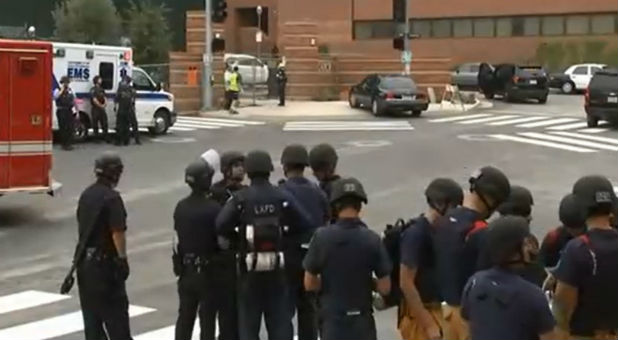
x=269 y=108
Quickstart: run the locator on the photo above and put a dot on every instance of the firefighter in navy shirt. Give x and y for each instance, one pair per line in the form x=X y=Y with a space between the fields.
x=498 y=303
x=455 y=246
x=420 y=315
x=586 y=300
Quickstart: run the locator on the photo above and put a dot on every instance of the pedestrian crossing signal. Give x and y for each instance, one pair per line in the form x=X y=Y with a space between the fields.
x=218 y=45
x=398 y=43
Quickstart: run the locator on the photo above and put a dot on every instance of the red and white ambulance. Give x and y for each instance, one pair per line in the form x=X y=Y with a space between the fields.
x=26 y=117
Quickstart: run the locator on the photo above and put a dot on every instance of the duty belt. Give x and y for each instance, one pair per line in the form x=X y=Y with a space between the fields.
x=194 y=262
x=95 y=254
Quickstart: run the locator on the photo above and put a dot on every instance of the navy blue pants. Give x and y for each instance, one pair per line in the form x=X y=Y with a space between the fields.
x=359 y=327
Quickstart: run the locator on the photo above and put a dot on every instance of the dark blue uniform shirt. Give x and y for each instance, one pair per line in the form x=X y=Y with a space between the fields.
x=311 y=198
x=500 y=305
x=590 y=264
x=552 y=246
x=456 y=259
x=194 y=222
x=346 y=255
x=417 y=253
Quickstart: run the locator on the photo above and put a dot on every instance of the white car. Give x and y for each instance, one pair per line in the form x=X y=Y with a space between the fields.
x=246 y=64
x=575 y=78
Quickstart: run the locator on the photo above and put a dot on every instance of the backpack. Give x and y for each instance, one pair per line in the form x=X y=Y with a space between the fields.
x=392 y=242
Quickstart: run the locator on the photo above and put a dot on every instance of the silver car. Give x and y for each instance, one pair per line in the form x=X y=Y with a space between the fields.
x=246 y=64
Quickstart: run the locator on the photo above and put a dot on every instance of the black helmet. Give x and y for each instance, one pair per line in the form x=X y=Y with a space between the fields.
x=229 y=158
x=199 y=175
x=258 y=162
x=323 y=156
x=594 y=191
x=65 y=80
x=571 y=213
x=295 y=154
x=505 y=237
x=347 y=187
x=518 y=203
x=95 y=80
x=490 y=182
x=109 y=166
x=443 y=191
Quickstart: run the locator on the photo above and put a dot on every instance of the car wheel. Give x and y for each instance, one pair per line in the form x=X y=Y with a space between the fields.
x=352 y=100
x=543 y=100
x=375 y=108
x=567 y=88
x=80 y=127
x=416 y=113
x=161 y=123
x=592 y=121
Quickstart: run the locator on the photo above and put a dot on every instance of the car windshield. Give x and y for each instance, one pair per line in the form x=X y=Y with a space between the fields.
x=397 y=83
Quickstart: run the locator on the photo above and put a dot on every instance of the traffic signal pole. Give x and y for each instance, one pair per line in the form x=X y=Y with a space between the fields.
x=207 y=86
x=406 y=39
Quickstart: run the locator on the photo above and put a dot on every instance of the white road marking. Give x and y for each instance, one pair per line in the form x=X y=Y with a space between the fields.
x=567 y=140
x=543 y=143
x=57 y=326
x=457 y=118
x=516 y=112
x=486 y=120
x=568 y=126
x=347 y=126
x=198 y=126
x=222 y=120
x=350 y=123
x=588 y=137
x=517 y=121
x=177 y=128
x=350 y=128
x=594 y=130
x=547 y=122
x=28 y=299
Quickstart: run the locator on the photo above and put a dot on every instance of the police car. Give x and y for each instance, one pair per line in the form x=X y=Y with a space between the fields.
x=81 y=63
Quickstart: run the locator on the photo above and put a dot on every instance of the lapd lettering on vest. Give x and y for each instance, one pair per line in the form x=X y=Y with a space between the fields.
x=264 y=209
x=78 y=71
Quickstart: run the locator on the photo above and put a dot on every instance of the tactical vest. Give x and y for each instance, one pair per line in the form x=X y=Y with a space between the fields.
x=65 y=100
x=125 y=96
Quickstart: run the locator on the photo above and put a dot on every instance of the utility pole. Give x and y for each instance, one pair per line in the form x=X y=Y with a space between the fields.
x=258 y=40
x=406 y=38
x=207 y=67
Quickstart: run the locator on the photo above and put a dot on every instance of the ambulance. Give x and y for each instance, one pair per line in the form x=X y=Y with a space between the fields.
x=82 y=62
x=26 y=117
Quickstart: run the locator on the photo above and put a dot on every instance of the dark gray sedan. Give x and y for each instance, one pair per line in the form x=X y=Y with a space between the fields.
x=388 y=93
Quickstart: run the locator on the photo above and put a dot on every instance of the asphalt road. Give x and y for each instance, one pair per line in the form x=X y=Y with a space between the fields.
x=394 y=157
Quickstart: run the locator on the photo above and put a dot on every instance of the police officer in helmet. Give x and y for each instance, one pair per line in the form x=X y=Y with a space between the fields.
x=65 y=104
x=125 y=112
x=340 y=265
x=498 y=303
x=102 y=273
x=323 y=160
x=586 y=300
x=420 y=314
x=233 y=170
x=458 y=240
x=312 y=199
x=264 y=216
x=193 y=258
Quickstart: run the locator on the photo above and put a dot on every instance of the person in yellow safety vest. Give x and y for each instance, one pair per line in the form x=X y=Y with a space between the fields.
x=234 y=90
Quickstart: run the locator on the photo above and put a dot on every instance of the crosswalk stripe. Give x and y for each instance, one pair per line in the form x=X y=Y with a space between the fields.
x=183 y=125
x=222 y=120
x=547 y=122
x=57 y=326
x=517 y=121
x=349 y=128
x=349 y=123
x=567 y=140
x=594 y=130
x=588 y=137
x=486 y=120
x=28 y=299
x=501 y=112
x=209 y=123
x=457 y=118
x=542 y=143
x=568 y=126
x=177 y=128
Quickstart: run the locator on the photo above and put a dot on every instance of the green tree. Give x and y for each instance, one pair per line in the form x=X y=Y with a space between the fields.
x=149 y=32
x=87 y=21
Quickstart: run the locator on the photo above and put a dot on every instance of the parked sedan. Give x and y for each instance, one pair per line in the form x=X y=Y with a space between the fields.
x=388 y=93
x=248 y=66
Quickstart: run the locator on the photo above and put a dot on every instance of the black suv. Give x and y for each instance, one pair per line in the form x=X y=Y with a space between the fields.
x=602 y=98
x=514 y=82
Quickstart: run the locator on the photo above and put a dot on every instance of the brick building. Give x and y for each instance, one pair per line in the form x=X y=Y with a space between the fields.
x=355 y=36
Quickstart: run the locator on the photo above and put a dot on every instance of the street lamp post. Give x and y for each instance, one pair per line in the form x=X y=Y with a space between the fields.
x=258 y=40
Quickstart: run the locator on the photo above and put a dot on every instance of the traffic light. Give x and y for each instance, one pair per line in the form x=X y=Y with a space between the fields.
x=399 y=11
x=219 y=10
x=398 y=43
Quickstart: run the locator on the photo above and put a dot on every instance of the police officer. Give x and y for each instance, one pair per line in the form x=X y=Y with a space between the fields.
x=573 y=224
x=497 y=302
x=312 y=199
x=282 y=80
x=458 y=242
x=340 y=265
x=98 y=102
x=65 y=104
x=264 y=215
x=586 y=299
x=323 y=160
x=133 y=115
x=102 y=273
x=420 y=315
x=233 y=170
x=124 y=105
x=194 y=223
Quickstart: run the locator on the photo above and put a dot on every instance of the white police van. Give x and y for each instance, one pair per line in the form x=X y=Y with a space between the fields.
x=81 y=63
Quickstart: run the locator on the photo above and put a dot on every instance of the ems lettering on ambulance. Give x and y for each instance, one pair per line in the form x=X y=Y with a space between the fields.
x=78 y=71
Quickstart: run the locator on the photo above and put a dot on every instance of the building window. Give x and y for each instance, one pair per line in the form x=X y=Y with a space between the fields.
x=532 y=26
x=483 y=27
x=553 y=25
x=422 y=28
x=374 y=30
x=577 y=24
x=441 y=28
x=247 y=17
x=462 y=28
x=603 y=24
x=504 y=27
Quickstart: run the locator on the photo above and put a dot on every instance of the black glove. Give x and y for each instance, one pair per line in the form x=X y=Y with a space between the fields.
x=122 y=268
